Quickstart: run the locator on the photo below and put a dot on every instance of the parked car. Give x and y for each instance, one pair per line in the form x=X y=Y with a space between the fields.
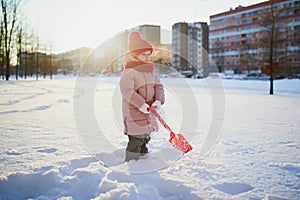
x=295 y=76
x=176 y=75
x=187 y=73
x=198 y=75
x=216 y=75
x=256 y=76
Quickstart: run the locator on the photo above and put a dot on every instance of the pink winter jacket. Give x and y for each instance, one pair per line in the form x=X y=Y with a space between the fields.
x=139 y=84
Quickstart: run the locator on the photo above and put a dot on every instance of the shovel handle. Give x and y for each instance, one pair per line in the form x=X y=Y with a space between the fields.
x=160 y=119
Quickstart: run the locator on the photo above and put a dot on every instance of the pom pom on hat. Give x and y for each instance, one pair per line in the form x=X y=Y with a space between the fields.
x=135 y=35
x=137 y=44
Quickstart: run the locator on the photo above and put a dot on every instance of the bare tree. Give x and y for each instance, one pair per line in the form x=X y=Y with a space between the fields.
x=45 y=63
x=271 y=48
x=245 y=58
x=268 y=41
x=50 y=61
x=248 y=56
x=27 y=55
x=31 y=54
x=37 y=58
x=220 y=59
x=21 y=46
x=9 y=13
x=275 y=39
x=19 y=49
x=1 y=48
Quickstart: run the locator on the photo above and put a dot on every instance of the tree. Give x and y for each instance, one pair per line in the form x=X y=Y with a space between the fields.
x=162 y=55
x=37 y=58
x=9 y=14
x=245 y=58
x=248 y=57
x=50 y=61
x=278 y=39
x=220 y=59
x=268 y=40
x=1 y=48
x=27 y=54
x=19 y=49
x=271 y=40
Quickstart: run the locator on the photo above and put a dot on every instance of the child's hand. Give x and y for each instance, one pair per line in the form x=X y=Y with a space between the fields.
x=145 y=108
x=157 y=104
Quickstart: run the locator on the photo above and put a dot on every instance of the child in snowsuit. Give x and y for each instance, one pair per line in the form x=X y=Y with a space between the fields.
x=140 y=88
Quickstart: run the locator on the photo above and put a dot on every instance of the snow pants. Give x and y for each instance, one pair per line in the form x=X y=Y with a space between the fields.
x=136 y=146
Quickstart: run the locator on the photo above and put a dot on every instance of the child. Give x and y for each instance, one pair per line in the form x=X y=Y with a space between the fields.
x=140 y=88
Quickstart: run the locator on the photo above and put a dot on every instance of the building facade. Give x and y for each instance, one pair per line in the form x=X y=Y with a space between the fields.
x=190 y=46
x=74 y=60
x=150 y=33
x=240 y=39
x=180 y=46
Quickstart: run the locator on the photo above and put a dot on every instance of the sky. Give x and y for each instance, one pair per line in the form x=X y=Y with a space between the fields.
x=71 y=24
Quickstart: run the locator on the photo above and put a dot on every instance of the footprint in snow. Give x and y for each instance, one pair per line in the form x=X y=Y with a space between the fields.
x=13 y=153
x=50 y=150
x=233 y=188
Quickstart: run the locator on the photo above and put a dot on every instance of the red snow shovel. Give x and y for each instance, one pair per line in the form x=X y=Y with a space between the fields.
x=177 y=140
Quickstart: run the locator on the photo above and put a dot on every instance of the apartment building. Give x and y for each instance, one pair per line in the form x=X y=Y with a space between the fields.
x=150 y=33
x=190 y=46
x=74 y=59
x=239 y=39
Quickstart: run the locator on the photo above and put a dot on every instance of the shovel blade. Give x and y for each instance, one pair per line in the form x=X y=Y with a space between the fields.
x=180 y=143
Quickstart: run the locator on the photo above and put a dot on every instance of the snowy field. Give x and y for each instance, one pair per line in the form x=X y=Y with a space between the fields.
x=45 y=155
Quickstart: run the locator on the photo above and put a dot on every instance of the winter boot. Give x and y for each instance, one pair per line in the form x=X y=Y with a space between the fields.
x=131 y=156
x=144 y=149
x=133 y=149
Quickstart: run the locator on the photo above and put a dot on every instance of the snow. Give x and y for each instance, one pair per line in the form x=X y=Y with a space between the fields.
x=48 y=149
